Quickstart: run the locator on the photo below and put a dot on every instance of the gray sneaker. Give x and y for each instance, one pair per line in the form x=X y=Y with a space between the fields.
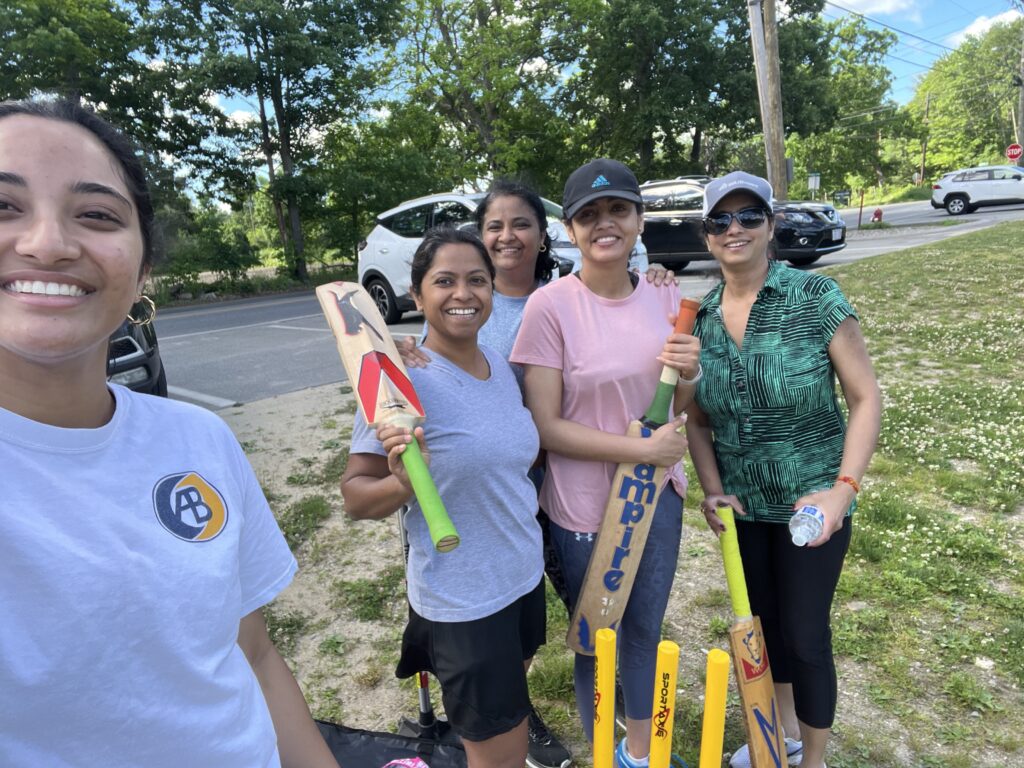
x=794 y=754
x=543 y=749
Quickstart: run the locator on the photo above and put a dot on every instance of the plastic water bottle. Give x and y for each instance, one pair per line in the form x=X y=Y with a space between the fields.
x=806 y=525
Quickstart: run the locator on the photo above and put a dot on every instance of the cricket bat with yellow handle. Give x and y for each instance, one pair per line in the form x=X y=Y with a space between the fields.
x=750 y=660
x=383 y=390
x=627 y=519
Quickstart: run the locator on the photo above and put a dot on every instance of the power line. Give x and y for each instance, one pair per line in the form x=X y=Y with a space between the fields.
x=889 y=26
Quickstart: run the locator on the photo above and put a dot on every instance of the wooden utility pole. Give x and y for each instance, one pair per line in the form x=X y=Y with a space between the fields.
x=924 y=141
x=765 y=43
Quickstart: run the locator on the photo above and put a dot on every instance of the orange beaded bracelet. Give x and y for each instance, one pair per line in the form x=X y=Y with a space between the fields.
x=850 y=482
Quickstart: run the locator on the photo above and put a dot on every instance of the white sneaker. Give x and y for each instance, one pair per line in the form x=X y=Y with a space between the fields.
x=794 y=754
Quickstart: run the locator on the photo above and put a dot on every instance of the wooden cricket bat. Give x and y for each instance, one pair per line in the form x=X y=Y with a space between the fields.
x=750 y=660
x=383 y=390
x=627 y=519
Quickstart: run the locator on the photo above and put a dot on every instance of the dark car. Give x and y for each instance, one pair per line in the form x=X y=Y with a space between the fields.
x=133 y=359
x=804 y=231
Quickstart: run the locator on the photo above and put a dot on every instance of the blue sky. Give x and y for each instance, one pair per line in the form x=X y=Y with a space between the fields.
x=927 y=29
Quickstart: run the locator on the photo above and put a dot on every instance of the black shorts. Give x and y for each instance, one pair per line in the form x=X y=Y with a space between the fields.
x=479 y=663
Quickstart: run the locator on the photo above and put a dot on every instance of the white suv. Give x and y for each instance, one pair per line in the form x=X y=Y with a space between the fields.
x=385 y=257
x=966 y=190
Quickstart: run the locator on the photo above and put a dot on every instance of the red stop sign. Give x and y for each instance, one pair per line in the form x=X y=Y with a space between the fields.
x=1014 y=151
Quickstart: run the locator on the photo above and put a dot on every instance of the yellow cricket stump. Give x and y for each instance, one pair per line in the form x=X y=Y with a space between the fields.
x=604 y=698
x=664 y=709
x=713 y=729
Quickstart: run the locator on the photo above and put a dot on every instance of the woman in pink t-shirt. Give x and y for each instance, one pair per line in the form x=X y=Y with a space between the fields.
x=593 y=346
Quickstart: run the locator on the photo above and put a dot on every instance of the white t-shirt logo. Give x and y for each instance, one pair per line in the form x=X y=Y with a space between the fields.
x=189 y=507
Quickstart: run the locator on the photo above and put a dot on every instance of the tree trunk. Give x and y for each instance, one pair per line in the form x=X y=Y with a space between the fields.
x=695 y=147
x=268 y=154
x=284 y=135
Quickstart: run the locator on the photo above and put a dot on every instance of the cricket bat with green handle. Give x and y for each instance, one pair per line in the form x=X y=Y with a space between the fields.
x=750 y=660
x=627 y=519
x=383 y=390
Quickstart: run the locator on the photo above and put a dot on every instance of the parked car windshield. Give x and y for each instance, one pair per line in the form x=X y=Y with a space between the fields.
x=672 y=197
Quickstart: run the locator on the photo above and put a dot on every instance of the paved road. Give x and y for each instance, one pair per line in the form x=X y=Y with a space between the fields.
x=223 y=353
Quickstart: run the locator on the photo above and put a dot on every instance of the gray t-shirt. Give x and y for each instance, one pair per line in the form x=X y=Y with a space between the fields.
x=499 y=332
x=482 y=441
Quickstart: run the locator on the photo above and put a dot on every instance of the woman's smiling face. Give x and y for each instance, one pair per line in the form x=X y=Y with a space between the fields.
x=71 y=246
x=456 y=293
x=606 y=229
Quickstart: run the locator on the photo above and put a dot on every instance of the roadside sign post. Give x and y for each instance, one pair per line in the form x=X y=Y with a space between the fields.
x=813 y=184
x=1014 y=152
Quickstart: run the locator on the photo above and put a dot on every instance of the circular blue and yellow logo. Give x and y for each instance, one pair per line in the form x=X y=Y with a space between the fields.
x=189 y=507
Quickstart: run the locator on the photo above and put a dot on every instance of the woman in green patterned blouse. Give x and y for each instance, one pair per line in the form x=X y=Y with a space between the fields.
x=767 y=436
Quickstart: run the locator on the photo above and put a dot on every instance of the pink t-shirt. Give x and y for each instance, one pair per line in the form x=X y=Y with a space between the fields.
x=607 y=351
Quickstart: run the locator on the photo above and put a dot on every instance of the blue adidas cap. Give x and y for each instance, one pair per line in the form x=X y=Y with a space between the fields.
x=599 y=178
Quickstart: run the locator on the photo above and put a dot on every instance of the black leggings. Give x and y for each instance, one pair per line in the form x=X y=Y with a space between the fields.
x=791 y=589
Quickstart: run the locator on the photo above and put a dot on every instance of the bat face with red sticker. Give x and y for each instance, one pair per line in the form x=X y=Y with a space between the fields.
x=383 y=389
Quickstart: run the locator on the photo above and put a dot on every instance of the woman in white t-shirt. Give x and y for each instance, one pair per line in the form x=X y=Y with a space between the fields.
x=138 y=548
x=593 y=346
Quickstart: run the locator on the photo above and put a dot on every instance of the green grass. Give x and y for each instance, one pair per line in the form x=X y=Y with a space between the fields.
x=371 y=599
x=302 y=519
x=929 y=603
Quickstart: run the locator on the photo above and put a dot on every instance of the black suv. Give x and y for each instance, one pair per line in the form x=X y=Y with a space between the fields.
x=133 y=359
x=804 y=231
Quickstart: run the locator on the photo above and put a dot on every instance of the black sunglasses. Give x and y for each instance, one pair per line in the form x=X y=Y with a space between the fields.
x=749 y=218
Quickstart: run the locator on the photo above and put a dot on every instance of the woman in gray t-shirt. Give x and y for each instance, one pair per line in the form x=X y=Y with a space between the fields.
x=477 y=613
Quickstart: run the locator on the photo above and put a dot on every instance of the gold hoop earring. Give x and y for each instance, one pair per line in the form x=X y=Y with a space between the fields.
x=149 y=314
x=543 y=248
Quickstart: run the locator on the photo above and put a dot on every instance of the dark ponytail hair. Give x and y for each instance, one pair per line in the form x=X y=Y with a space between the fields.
x=546 y=262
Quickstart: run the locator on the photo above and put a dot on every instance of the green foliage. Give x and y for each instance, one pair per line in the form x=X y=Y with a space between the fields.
x=488 y=70
x=969 y=95
x=847 y=151
x=302 y=65
x=210 y=241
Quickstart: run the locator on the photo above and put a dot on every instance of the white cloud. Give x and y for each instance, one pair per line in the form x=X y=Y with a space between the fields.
x=241 y=116
x=980 y=26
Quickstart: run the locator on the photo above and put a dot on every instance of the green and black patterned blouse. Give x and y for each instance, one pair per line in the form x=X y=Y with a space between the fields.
x=778 y=430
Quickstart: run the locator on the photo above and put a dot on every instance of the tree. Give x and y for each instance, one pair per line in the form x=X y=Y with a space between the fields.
x=668 y=85
x=643 y=83
x=302 y=64
x=971 y=95
x=374 y=164
x=850 y=145
x=490 y=70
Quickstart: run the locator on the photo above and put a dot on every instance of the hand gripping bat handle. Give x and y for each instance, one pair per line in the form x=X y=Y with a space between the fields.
x=733 y=563
x=658 y=413
x=442 y=531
